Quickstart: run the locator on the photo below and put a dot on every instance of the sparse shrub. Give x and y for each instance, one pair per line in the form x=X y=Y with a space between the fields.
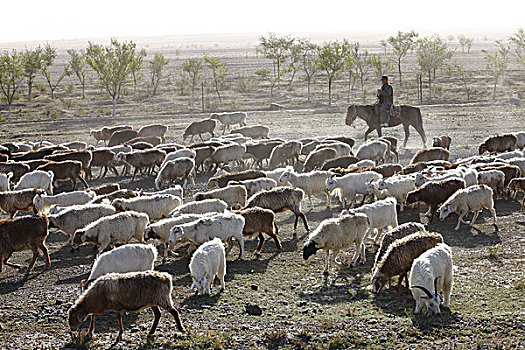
x=494 y=251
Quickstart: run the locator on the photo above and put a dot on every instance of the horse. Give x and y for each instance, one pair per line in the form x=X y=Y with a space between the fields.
x=409 y=116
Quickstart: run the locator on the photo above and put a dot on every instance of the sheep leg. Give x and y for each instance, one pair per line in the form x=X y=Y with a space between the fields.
x=326 y=262
x=275 y=237
x=407 y=134
x=134 y=174
x=357 y=254
x=310 y=199
x=120 y=326
x=305 y=222
x=83 y=182
x=230 y=245
x=400 y=281
x=221 y=273
x=460 y=220
x=476 y=213
x=156 y=312
x=260 y=243
x=74 y=181
x=241 y=247
x=328 y=199
x=176 y=315
x=43 y=248
x=33 y=260
x=114 y=169
x=493 y=212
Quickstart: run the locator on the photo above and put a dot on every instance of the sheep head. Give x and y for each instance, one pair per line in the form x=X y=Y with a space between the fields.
x=201 y=284
x=444 y=211
x=379 y=280
x=431 y=302
x=176 y=233
x=309 y=249
x=381 y=185
x=284 y=177
x=150 y=233
x=330 y=184
x=76 y=316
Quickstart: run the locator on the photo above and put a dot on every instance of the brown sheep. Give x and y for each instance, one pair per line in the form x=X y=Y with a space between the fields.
x=105 y=189
x=154 y=130
x=316 y=159
x=21 y=200
x=125 y=292
x=34 y=164
x=201 y=154
x=198 y=128
x=518 y=185
x=152 y=140
x=223 y=179
x=122 y=136
x=18 y=169
x=339 y=162
x=442 y=141
x=498 y=144
x=428 y=154
x=348 y=140
x=67 y=169
x=142 y=159
x=23 y=233
x=388 y=170
x=398 y=232
x=84 y=157
x=414 y=168
x=102 y=158
x=257 y=222
x=261 y=150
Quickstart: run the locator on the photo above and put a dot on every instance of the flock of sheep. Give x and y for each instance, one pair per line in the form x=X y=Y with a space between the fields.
x=273 y=176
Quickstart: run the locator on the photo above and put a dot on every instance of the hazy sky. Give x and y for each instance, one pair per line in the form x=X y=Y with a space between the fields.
x=69 y=19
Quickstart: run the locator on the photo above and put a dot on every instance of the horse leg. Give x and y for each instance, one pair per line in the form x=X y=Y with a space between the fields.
x=407 y=134
x=421 y=133
x=370 y=129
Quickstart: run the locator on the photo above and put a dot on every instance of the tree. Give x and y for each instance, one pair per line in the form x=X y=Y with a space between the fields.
x=78 y=64
x=296 y=54
x=465 y=42
x=309 y=62
x=265 y=74
x=380 y=65
x=432 y=52
x=136 y=65
x=518 y=40
x=463 y=74
x=11 y=75
x=219 y=71
x=32 y=66
x=49 y=55
x=192 y=67
x=401 y=44
x=156 y=68
x=497 y=63
x=277 y=49
x=384 y=44
x=112 y=64
x=331 y=59
x=351 y=59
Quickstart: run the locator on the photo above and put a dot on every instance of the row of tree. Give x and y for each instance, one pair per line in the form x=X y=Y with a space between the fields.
x=120 y=63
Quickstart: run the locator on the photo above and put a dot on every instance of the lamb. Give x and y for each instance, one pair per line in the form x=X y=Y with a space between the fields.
x=152 y=130
x=42 y=202
x=18 y=169
x=518 y=185
x=116 y=228
x=473 y=198
x=208 y=261
x=339 y=162
x=349 y=185
x=281 y=154
x=255 y=185
x=98 y=135
x=227 y=153
x=261 y=150
x=68 y=169
x=253 y=131
x=336 y=234
x=428 y=154
x=399 y=257
x=442 y=141
x=125 y=292
x=373 y=150
x=156 y=207
x=198 y=128
x=398 y=232
x=71 y=219
x=230 y=118
x=141 y=159
x=22 y=200
x=498 y=144
x=122 y=136
x=126 y=258
x=432 y=272
x=280 y=199
x=434 y=193
x=318 y=157
x=397 y=187
x=23 y=233
x=276 y=173
x=257 y=222
x=495 y=179
x=381 y=214
x=201 y=154
x=223 y=179
x=179 y=168
x=102 y=158
x=200 y=207
x=37 y=179
x=510 y=171
x=388 y=170
x=233 y=195
x=4 y=181
x=311 y=183
x=225 y=226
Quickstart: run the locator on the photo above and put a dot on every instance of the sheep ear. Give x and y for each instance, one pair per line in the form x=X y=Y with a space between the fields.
x=80 y=318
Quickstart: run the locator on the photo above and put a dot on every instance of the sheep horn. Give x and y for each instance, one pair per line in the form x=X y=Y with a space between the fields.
x=424 y=290
x=435 y=285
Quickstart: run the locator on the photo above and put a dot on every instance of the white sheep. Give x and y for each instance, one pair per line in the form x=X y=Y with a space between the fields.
x=495 y=179
x=339 y=233
x=174 y=191
x=126 y=258
x=431 y=274
x=200 y=207
x=230 y=118
x=183 y=167
x=36 y=179
x=225 y=226
x=253 y=131
x=185 y=152
x=381 y=214
x=397 y=187
x=255 y=185
x=4 y=181
x=348 y=186
x=421 y=178
x=473 y=198
x=341 y=148
x=43 y=202
x=373 y=150
x=233 y=195
x=116 y=228
x=312 y=183
x=156 y=207
x=275 y=174
x=226 y=154
x=208 y=261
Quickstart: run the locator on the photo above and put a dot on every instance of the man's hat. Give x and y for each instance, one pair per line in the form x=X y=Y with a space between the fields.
x=384 y=77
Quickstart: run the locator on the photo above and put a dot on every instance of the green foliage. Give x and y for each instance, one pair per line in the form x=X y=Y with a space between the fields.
x=277 y=49
x=381 y=66
x=401 y=44
x=463 y=74
x=32 y=65
x=497 y=63
x=78 y=64
x=432 y=52
x=308 y=61
x=156 y=68
x=193 y=68
x=518 y=40
x=331 y=59
x=48 y=56
x=465 y=42
x=267 y=75
x=136 y=65
x=11 y=75
x=219 y=72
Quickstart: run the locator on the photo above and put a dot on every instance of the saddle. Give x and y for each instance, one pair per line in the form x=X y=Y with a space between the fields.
x=395 y=111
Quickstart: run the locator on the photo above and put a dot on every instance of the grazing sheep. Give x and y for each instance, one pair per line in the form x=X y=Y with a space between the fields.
x=255 y=185
x=336 y=234
x=252 y=131
x=126 y=258
x=281 y=154
x=226 y=154
x=152 y=130
x=442 y=141
x=280 y=199
x=22 y=200
x=223 y=179
x=42 y=202
x=431 y=273
x=67 y=169
x=116 y=228
x=434 y=193
x=398 y=232
x=174 y=191
x=399 y=256
x=141 y=159
x=125 y=292
x=36 y=179
x=84 y=157
x=108 y=131
x=183 y=152
x=230 y=118
x=201 y=154
x=200 y=207
x=198 y=128
x=510 y=171
x=233 y=195
x=311 y=183
x=388 y=170
x=156 y=207
x=341 y=148
x=498 y=144
x=428 y=154
x=120 y=137
x=18 y=169
x=179 y=168
x=495 y=179
x=318 y=157
x=123 y=193
x=23 y=233
x=339 y=162
x=415 y=168
x=518 y=185
x=381 y=214
x=105 y=189
x=397 y=187
x=102 y=158
x=473 y=198
x=257 y=222
x=261 y=150
x=348 y=186
x=208 y=261
x=373 y=150
x=227 y=226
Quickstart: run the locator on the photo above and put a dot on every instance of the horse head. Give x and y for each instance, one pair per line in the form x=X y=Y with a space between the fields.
x=351 y=115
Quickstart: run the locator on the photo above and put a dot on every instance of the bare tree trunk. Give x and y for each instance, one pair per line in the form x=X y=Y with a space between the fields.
x=9 y=111
x=114 y=106
x=30 y=87
x=329 y=91
x=399 y=69
x=430 y=85
x=308 y=94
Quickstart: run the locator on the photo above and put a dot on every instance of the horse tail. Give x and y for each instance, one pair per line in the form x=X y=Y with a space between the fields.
x=420 y=125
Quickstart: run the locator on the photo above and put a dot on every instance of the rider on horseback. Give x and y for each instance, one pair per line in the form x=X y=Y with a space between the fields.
x=386 y=100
